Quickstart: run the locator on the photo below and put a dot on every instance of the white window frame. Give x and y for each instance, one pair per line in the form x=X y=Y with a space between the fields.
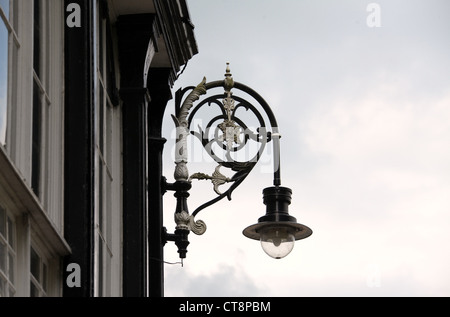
x=51 y=85
x=13 y=45
x=8 y=276
x=38 y=220
x=40 y=282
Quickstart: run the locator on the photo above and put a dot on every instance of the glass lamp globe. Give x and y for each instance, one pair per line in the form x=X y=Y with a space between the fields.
x=277 y=242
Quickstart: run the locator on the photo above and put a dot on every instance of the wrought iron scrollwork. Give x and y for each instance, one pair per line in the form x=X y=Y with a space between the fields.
x=226 y=131
x=238 y=120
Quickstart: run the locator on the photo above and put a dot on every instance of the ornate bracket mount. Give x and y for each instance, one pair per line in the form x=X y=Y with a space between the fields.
x=224 y=137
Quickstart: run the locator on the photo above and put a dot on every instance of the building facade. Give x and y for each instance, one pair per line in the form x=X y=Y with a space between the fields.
x=83 y=89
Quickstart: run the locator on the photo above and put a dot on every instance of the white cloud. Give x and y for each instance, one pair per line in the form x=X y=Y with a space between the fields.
x=226 y=280
x=383 y=189
x=380 y=128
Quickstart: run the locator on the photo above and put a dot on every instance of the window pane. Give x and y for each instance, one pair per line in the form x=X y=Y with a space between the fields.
x=100 y=195
x=100 y=44
x=34 y=291
x=2 y=287
x=3 y=254
x=35 y=262
x=5 y=6
x=100 y=267
x=37 y=38
x=11 y=268
x=101 y=119
x=2 y=222
x=10 y=232
x=44 y=277
x=36 y=149
x=3 y=80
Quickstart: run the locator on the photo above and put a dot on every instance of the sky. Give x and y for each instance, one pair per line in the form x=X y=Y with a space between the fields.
x=361 y=94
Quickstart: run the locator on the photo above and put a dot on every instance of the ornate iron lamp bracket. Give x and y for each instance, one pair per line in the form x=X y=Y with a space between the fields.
x=227 y=133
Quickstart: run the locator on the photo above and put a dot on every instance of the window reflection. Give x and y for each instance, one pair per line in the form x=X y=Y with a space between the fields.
x=4 y=4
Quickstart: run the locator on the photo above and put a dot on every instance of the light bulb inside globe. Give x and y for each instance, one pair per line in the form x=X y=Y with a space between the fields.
x=277 y=241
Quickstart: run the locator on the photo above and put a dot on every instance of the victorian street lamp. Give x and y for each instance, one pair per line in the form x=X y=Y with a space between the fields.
x=228 y=133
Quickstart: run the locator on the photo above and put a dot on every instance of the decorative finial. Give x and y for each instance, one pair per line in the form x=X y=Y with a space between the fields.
x=228 y=73
x=229 y=83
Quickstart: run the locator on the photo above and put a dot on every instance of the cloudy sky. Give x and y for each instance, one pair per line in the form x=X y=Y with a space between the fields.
x=363 y=106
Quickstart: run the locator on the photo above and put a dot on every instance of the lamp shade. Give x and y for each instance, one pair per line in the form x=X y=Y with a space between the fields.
x=277 y=230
